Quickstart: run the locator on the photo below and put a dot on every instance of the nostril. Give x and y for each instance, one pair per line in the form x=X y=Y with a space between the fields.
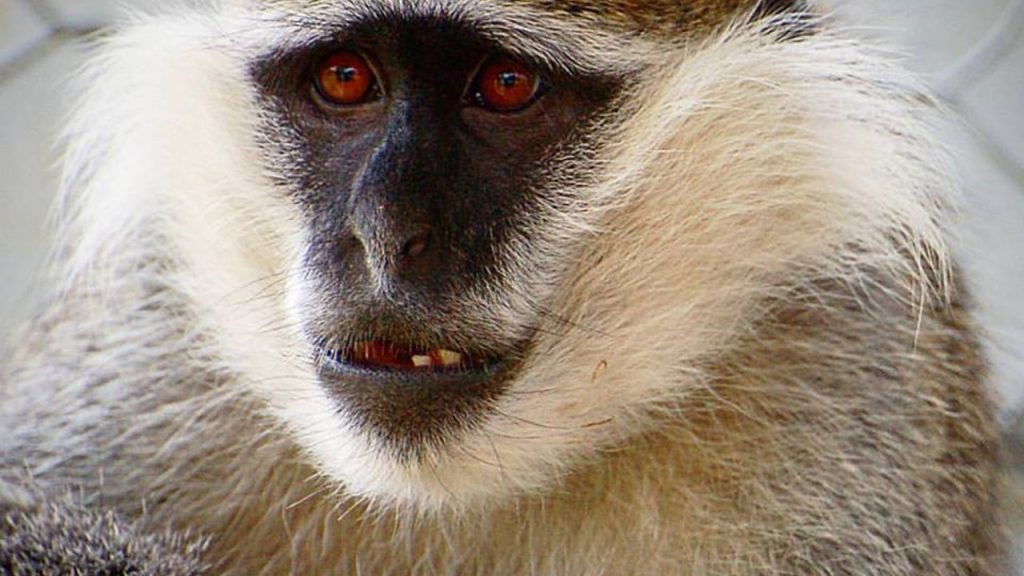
x=416 y=245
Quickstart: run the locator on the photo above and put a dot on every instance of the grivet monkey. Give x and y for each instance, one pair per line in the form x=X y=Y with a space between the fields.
x=501 y=287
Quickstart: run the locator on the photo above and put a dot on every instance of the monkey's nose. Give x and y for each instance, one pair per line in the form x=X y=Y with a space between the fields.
x=403 y=251
x=414 y=260
x=417 y=245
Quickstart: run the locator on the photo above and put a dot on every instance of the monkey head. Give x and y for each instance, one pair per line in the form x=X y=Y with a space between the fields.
x=435 y=157
x=461 y=248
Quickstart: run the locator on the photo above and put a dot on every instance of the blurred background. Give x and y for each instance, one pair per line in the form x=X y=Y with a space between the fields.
x=970 y=51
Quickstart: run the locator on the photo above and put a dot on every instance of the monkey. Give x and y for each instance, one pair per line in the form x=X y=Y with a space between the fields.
x=505 y=287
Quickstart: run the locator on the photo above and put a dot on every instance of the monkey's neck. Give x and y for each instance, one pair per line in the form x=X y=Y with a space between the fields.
x=643 y=509
x=739 y=470
x=803 y=429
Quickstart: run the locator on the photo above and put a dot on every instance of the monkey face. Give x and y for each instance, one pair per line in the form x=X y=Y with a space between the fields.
x=460 y=248
x=421 y=158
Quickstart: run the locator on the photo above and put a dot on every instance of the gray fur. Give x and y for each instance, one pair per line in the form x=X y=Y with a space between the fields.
x=62 y=538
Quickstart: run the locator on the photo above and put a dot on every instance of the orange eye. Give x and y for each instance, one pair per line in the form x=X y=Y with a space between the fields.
x=344 y=78
x=505 y=85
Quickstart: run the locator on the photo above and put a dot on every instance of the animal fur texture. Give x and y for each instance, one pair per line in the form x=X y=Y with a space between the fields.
x=61 y=538
x=751 y=351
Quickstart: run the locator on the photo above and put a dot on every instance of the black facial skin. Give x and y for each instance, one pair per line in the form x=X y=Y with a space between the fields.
x=410 y=198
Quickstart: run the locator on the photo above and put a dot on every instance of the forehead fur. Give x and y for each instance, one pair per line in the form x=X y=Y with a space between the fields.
x=574 y=44
x=595 y=37
x=664 y=18
x=660 y=17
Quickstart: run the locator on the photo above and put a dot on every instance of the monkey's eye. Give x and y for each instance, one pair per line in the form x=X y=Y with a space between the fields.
x=504 y=85
x=345 y=79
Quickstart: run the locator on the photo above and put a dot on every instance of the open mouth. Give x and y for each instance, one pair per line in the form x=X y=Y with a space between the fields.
x=392 y=356
x=413 y=396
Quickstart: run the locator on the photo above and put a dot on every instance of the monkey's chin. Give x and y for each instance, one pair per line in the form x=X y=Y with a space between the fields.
x=413 y=439
x=409 y=416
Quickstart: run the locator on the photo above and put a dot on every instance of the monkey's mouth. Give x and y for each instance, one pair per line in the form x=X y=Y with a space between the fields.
x=412 y=398
x=381 y=355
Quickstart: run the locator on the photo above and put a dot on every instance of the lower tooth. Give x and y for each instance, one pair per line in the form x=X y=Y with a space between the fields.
x=422 y=361
x=449 y=358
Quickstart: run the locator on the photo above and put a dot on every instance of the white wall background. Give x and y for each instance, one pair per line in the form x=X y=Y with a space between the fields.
x=972 y=51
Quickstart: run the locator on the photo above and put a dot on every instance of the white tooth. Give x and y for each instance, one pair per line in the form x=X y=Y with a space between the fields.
x=422 y=361
x=449 y=358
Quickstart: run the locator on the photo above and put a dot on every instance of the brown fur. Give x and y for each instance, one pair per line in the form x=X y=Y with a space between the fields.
x=665 y=18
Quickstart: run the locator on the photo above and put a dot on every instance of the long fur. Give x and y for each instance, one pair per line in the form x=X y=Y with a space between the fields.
x=752 y=355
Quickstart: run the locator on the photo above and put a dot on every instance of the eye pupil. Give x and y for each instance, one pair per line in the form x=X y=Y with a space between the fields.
x=508 y=79
x=345 y=78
